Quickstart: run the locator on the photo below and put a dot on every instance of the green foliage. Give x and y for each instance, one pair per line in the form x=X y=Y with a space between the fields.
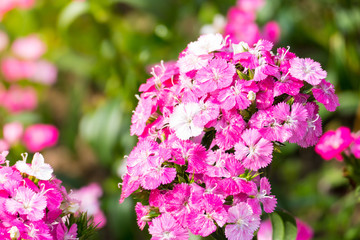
x=85 y=226
x=283 y=225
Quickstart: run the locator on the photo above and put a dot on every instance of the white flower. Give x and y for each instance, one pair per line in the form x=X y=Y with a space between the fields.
x=206 y=44
x=38 y=167
x=182 y=121
x=240 y=47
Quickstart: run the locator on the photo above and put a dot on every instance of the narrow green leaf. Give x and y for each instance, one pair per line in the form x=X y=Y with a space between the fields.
x=283 y=225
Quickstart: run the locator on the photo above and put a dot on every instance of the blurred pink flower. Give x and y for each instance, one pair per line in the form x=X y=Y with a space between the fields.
x=29 y=48
x=4 y=146
x=40 y=136
x=14 y=69
x=304 y=232
x=6 y=5
x=17 y=99
x=271 y=31
x=25 y=4
x=4 y=40
x=332 y=143
x=355 y=147
x=89 y=202
x=250 y=5
x=44 y=72
x=12 y=132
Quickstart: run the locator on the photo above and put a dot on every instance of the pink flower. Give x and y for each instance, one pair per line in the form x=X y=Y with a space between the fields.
x=88 y=197
x=254 y=151
x=4 y=39
x=26 y=202
x=44 y=73
x=355 y=147
x=141 y=214
x=250 y=5
x=307 y=69
x=217 y=74
x=28 y=48
x=271 y=31
x=14 y=69
x=62 y=233
x=263 y=196
x=25 y=4
x=13 y=132
x=18 y=99
x=141 y=115
x=242 y=222
x=332 y=143
x=40 y=136
x=325 y=94
x=165 y=227
x=202 y=219
x=4 y=146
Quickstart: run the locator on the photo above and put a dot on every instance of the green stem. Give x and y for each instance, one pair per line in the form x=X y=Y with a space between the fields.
x=219 y=234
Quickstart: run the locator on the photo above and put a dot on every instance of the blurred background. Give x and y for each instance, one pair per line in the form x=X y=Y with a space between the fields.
x=102 y=51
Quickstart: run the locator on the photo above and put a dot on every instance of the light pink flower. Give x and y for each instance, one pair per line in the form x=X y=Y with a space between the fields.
x=141 y=214
x=307 y=69
x=88 y=197
x=18 y=99
x=26 y=202
x=44 y=73
x=62 y=233
x=14 y=69
x=40 y=136
x=4 y=39
x=242 y=222
x=217 y=74
x=250 y=5
x=141 y=115
x=28 y=48
x=165 y=227
x=12 y=132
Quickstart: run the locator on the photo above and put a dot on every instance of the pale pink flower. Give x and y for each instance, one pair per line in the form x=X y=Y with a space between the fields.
x=38 y=167
x=242 y=222
x=253 y=150
x=38 y=231
x=40 y=136
x=250 y=5
x=141 y=115
x=88 y=197
x=182 y=121
x=325 y=94
x=217 y=74
x=44 y=73
x=332 y=143
x=4 y=39
x=4 y=146
x=165 y=227
x=3 y=155
x=216 y=161
x=26 y=202
x=29 y=48
x=307 y=69
x=63 y=233
x=13 y=132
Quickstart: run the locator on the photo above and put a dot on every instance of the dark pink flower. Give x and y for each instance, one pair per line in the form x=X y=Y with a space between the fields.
x=40 y=136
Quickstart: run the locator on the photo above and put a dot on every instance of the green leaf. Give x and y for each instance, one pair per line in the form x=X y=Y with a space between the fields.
x=71 y=12
x=283 y=225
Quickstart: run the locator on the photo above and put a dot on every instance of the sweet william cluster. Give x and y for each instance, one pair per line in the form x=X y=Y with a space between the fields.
x=33 y=203
x=207 y=125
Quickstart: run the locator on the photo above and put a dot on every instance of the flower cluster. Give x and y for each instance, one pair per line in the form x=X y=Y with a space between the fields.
x=207 y=126
x=23 y=70
x=33 y=203
x=240 y=24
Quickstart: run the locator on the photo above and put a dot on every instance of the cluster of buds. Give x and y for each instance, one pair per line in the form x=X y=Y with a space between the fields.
x=34 y=204
x=208 y=125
